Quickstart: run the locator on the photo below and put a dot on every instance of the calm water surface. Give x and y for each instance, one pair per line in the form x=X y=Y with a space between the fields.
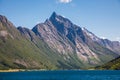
x=61 y=75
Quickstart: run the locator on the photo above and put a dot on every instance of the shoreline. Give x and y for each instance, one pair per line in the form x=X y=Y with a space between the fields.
x=10 y=70
x=20 y=70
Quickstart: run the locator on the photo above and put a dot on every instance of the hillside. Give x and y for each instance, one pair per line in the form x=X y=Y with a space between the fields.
x=112 y=65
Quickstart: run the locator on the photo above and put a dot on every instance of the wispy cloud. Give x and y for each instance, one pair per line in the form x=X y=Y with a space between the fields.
x=65 y=1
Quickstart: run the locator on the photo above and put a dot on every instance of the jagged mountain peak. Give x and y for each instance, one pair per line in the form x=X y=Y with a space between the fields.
x=62 y=24
x=55 y=18
x=54 y=14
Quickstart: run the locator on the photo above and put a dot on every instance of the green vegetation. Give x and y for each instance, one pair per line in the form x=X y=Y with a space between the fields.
x=104 y=54
x=112 y=65
x=21 y=53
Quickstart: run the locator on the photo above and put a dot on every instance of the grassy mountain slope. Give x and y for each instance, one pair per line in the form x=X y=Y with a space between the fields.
x=112 y=65
x=19 y=52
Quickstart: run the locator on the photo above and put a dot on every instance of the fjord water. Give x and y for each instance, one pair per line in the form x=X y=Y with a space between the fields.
x=62 y=75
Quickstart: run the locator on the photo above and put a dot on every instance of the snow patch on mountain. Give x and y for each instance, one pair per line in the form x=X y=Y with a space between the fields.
x=90 y=34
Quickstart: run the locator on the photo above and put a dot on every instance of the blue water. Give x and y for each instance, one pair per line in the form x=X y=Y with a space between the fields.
x=61 y=75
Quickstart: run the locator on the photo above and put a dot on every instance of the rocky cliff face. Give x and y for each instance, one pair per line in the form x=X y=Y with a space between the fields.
x=67 y=38
x=49 y=33
x=112 y=45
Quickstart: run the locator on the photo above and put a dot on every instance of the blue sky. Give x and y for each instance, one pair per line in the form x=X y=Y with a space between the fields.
x=102 y=17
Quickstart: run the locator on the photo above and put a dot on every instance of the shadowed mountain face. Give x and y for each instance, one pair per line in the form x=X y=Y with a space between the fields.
x=55 y=44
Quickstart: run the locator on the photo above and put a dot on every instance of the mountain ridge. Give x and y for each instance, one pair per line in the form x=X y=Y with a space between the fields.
x=112 y=45
x=57 y=43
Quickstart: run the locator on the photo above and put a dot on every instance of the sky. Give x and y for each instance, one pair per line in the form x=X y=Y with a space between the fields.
x=102 y=17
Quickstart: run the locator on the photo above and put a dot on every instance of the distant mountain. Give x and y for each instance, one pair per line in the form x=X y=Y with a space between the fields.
x=112 y=45
x=55 y=44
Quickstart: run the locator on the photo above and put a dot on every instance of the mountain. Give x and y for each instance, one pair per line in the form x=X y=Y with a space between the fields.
x=70 y=40
x=55 y=44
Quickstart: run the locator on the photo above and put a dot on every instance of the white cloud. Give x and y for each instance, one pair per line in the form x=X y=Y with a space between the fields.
x=65 y=1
